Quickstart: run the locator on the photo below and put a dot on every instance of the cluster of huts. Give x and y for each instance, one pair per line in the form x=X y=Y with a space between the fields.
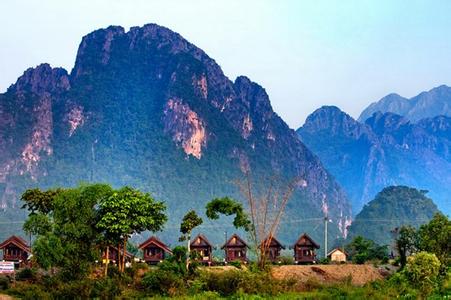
x=154 y=250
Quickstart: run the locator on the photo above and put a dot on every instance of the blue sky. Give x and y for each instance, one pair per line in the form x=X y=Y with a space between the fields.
x=305 y=53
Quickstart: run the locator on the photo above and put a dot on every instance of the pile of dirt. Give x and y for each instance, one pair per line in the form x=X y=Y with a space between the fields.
x=357 y=274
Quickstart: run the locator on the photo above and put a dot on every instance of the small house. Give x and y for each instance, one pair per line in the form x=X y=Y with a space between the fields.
x=113 y=255
x=203 y=248
x=154 y=250
x=16 y=249
x=337 y=255
x=235 y=249
x=304 y=250
x=273 y=250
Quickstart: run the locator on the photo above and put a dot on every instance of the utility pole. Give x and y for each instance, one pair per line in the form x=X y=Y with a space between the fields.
x=326 y=220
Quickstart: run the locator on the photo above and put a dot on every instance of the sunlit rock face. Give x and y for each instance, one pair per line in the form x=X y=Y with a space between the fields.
x=185 y=127
x=147 y=108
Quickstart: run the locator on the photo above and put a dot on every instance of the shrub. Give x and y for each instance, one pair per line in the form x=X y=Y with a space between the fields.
x=236 y=264
x=324 y=261
x=76 y=289
x=286 y=260
x=422 y=271
x=163 y=282
x=228 y=283
x=4 y=283
x=106 y=288
x=26 y=291
x=26 y=274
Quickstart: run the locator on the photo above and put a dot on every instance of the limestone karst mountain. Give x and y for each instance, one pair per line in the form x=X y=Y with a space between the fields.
x=149 y=109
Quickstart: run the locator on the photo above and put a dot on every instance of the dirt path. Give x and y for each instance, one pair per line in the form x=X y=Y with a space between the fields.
x=359 y=274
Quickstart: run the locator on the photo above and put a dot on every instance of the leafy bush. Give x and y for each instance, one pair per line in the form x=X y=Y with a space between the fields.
x=163 y=282
x=324 y=261
x=236 y=264
x=27 y=291
x=228 y=283
x=106 y=288
x=4 y=283
x=286 y=260
x=75 y=289
x=422 y=271
x=26 y=274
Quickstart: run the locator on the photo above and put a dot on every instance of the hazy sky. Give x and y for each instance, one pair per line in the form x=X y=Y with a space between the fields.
x=305 y=53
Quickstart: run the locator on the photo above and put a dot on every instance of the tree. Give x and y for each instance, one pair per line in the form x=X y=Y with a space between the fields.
x=125 y=212
x=422 y=270
x=266 y=203
x=189 y=222
x=39 y=201
x=435 y=237
x=48 y=251
x=361 y=250
x=65 y=226
x=228 y=207
x=406 y=243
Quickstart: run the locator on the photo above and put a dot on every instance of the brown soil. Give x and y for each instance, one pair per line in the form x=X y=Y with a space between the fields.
x=357 y=274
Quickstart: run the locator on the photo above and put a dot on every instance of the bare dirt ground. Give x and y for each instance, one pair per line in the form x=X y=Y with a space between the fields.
x=358 y=274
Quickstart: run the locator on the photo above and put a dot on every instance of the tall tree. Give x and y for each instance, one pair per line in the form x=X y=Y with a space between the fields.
x=128 y=211
x=65 y=227
x=190 y=221
x=37 y=201
x=266 y=203
x=435 y=237
x=406 y=243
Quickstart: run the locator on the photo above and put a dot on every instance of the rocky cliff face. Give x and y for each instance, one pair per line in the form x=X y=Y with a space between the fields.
x=425 y=105
x=149 y=109
x=386 y=150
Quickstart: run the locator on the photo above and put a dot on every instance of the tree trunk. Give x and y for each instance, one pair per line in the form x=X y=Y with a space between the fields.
x=189 y=251
x=124 y=254
x=107 y=260
x=118 y=262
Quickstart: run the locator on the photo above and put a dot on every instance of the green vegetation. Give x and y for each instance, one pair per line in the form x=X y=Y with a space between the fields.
x=190 y=221
x=80 y=222
x=392 y=208
x=361 y=250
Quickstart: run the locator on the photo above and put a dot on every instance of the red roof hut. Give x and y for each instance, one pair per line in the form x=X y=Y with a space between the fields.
x=15 y=249
x=154 y=250
x=273 y=250
x=235 y=249
x=203 y=248
x=304 y=249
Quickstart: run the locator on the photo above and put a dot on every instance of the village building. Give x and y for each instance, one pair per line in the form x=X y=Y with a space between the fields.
x=273 y=250
x=154 y=250
x=304 y=250
x=16 y=249
x=113 y=255
x=235 y=249
x=203 y=248
x=337 y=255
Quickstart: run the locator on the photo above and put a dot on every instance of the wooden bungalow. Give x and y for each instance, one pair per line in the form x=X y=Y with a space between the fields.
x=304 y=250
x=113 y=255
x=154 y=250
x=274 y=249
x=16 y=249
x=337 y=255
x=235 y=249
x=203 y=248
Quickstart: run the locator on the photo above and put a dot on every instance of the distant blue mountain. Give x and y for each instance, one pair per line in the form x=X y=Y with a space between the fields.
x=386 y=150
x=425 y=105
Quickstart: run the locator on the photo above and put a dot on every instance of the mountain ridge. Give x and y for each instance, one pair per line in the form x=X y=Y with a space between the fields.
x=434 y=102
x=147 y=108
x=386 y=150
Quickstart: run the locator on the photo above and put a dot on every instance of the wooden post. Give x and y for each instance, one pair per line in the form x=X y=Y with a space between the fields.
x=107 y=260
